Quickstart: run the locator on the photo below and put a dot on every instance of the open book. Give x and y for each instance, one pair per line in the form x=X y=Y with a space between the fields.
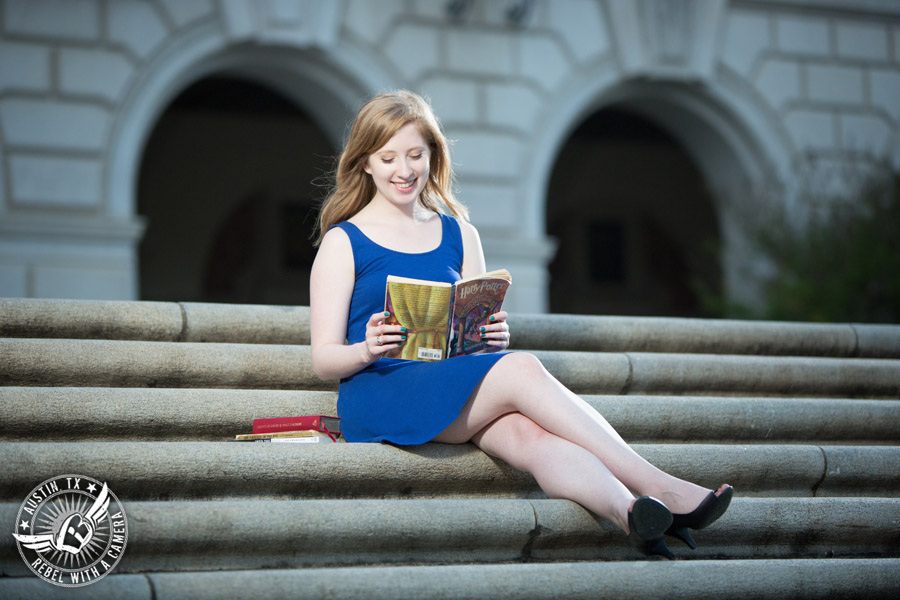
x=443 y=319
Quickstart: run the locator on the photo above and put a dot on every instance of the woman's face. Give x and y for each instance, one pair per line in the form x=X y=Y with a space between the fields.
x=399 y=169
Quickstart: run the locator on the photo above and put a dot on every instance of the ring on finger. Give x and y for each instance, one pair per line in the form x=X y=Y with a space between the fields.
x=378 y=340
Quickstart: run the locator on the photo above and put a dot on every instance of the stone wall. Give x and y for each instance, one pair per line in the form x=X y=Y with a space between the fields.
x=750 y=88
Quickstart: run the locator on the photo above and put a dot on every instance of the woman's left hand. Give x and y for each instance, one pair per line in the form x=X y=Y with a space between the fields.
x=496 y=332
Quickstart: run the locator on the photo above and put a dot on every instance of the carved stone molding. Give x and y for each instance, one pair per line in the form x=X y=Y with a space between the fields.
x=299 y=23
x=667 y=39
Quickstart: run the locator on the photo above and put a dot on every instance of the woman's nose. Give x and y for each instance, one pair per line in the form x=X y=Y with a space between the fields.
x=404 y=169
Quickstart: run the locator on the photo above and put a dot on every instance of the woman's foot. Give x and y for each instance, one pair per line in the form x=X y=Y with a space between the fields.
x=648 y=520
x=711 y=508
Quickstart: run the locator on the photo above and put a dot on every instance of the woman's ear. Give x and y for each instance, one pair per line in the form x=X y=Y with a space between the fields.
x=366 y=167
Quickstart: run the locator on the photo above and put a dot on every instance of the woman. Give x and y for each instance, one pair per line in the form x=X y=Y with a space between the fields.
x=384 y=217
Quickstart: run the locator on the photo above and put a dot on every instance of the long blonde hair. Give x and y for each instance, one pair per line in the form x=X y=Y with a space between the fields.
x=375 y=124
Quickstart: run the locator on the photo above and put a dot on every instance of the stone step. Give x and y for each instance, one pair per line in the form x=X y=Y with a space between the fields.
x=189 y=470
x=803 y=419
x=257 y=534
x=233 y=323
x=172 y=414
x=156 y=364
x=589 y=333
x=104 y=363
x=800 y=579
x=154 y=321
x=146 y=414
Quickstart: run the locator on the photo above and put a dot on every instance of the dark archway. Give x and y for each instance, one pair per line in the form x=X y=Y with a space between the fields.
x=636 y=227
x=229 y=184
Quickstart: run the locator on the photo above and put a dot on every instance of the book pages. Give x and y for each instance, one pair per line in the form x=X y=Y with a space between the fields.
x=425 y=311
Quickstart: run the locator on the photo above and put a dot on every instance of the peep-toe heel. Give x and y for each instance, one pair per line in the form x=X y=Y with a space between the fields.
x=648 y=521
x=712 y=507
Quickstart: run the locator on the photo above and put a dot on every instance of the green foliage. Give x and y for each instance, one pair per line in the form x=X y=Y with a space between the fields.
x=833 y=260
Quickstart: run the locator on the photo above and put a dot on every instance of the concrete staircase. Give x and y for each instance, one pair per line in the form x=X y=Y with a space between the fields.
x=803 y=419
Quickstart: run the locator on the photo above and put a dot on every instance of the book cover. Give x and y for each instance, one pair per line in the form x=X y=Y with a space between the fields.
x=423 y=307
x=300 y=440
x=443 y=320
x=306 y=433
x=309 y=436
x=472 y=303
x=321 y=423
x=312 y=440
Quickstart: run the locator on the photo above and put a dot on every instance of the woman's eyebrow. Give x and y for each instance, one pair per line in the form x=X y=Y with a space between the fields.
x=413 y=149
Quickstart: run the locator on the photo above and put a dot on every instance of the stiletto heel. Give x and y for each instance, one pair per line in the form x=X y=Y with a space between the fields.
x=682 y=534
x=712 y=507
x=648 y=520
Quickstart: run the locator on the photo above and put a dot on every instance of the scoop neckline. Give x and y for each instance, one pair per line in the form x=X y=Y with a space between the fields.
x=373 y=242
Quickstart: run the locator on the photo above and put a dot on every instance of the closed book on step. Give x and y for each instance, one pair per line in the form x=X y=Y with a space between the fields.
x=322 y=423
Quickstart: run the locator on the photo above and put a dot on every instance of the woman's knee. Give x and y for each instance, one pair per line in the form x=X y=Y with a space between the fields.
x=508 y=382
x=522 y=367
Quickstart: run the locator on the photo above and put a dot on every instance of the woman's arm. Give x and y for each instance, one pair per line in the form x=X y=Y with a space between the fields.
x=330 y=290
x=496 y=332
x=473 y=254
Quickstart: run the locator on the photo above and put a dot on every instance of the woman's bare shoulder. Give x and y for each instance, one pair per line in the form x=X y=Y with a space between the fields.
x=335 y=236
x=469 y=231
x=335 y=246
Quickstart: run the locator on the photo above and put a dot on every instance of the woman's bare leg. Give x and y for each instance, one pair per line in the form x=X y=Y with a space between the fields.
x=562 y=469
x=519 y=383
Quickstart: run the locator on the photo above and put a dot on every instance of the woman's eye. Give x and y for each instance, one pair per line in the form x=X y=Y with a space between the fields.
x=417 y=156
x=387 y=161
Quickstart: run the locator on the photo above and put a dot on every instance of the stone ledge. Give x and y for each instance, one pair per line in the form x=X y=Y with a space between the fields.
x=199 y=536
x=702 y=336
x=812 y=579
x=147 y=414
x=172 y=414
x=188 y=470
x=111 y=587
x=801 y=579
x=781 y=376
x=209 y=322
x=153 y=321
x=106 y=363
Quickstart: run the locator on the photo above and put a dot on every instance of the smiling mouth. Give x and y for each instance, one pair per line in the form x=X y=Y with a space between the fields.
x=405 y=185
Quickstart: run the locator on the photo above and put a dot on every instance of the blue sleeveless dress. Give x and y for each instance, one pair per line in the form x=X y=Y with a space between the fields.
x=399 y=401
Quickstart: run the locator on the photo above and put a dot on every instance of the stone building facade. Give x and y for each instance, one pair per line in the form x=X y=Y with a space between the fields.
x=747 y=90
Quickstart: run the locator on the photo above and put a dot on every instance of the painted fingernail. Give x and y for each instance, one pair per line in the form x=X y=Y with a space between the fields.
x=387 y=314
x=483 y=329
x=402 y=337
x=493 y=317
x=403 y=329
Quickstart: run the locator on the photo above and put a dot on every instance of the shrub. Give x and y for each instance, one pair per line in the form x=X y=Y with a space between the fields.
x=832 y=258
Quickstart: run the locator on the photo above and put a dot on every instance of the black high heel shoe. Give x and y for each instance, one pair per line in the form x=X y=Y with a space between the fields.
x=648 y=520
x=712 y=507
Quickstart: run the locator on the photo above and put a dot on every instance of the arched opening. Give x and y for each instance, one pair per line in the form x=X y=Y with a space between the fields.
x=229 y=183
x=635 y=222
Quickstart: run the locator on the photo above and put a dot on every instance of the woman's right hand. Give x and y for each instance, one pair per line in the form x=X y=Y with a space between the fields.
x=381 y=338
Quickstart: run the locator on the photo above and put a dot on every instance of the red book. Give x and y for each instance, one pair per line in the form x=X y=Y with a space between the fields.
x=330 y=425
